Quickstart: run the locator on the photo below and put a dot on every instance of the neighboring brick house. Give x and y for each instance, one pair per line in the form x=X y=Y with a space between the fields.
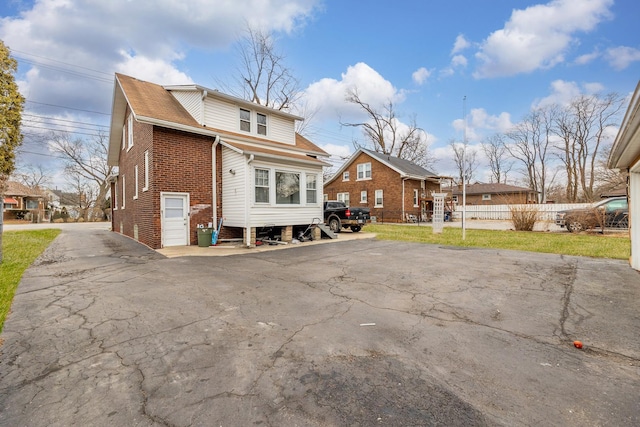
x=188 y=156
x=492 y=194
x=23 y=203
x=396 y=190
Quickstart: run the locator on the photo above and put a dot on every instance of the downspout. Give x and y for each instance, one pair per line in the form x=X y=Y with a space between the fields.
x=214 y=180
x=247 y=202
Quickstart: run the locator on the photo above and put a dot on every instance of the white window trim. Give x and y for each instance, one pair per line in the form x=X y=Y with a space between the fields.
x=416 y=198
x=130 y=132
x=266 y=124
x=342 y=199
x=115 y=195
x=345 y=176
x=454 y=199
x=124 y=194
x=270 y=178
x=135 y=180
x=375 y=201
x=486 y=197
x=146 y=171
x=363 y=196
x=364 y=172
x=124 y=136
x=275 y=196
x=315 y=189
x=241 y=120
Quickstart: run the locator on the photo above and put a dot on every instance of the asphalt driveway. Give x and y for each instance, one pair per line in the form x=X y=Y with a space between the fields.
x=104 y=331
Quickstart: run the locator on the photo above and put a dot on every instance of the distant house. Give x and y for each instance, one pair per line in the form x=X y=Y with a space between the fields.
x=492 y=194
x=188 y=156
x=23 y=203
x=625 y=155
x=396 y=190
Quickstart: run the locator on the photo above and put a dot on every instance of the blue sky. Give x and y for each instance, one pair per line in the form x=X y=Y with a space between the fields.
x=505 y=56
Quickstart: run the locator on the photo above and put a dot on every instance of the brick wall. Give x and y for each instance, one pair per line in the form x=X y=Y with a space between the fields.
x=382 y=178
x=178 y=162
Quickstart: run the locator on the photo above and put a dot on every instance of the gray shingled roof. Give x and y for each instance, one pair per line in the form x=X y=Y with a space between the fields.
x=405 y=167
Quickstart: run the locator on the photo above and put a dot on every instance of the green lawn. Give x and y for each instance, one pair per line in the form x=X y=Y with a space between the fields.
x=19 y=250
x=616 y=246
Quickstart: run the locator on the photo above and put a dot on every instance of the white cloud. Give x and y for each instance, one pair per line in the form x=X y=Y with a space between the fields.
x=587 y=58
x=420 y=75
x=458 y=61
x=460 y=44
x=538 y=36
x=480 y=123
x=154 y=37
x=327 y=96
x=562 y=92
x=620 y=57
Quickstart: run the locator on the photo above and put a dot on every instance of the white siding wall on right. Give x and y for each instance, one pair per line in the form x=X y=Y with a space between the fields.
x=281 y=130
x=234 y=196
x=634 y=214
x=222 y=115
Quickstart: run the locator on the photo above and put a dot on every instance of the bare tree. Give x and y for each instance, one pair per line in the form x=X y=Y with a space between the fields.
x=607 y=179
x=530 y=144
x=86 y=160
x=497 y=155
x=263 y=77
x=33 y=176
x=385 y=134
x=466 y=159
x=86 y=193
x=582 y=128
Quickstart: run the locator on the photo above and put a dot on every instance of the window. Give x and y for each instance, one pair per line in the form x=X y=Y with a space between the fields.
x=454 y=199
x=345 y=176
x=115 y=196
x=245 y=120
x=124 y=197
x=312 y=191
x=325 y=197
x=262 y=123
x=343 y=197
x=363 y=197
x=135 y=180
x=486 y=197
x=287 y=188
x=130 y=132
x=262 y=186
x=364 y=171
x=379 y=199
x=146 y=171
x=124 y=136
x=415 y=198
x=31 y=204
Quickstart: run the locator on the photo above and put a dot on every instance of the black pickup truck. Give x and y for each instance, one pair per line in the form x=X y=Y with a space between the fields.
x=338 y=216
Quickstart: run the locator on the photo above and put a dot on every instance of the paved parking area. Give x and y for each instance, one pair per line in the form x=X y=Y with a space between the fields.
x=104 y=331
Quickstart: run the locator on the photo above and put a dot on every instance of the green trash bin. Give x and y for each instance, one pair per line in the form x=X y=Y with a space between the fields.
x=204 y=237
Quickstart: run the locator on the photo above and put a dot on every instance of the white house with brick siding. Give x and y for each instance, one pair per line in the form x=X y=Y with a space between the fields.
x=190 y=156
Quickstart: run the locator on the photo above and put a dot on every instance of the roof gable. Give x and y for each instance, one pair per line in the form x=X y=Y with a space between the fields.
x=405 y=168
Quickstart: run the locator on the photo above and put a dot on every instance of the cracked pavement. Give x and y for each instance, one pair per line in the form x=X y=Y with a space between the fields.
x=104 y=331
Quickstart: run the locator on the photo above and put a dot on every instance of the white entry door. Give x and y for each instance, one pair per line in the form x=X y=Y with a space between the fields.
x=175 y=219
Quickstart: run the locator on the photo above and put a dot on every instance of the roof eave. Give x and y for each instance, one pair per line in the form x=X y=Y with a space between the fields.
x=624 y=152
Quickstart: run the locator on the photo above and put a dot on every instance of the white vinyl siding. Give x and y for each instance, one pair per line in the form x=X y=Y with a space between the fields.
x=191 y=101
x=234 y=190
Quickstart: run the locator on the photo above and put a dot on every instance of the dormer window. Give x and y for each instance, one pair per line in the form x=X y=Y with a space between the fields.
x=249 y=120
x=245 y=120
x=262 y=123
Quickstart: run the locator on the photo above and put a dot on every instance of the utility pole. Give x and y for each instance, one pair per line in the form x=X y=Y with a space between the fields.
x=464 y=169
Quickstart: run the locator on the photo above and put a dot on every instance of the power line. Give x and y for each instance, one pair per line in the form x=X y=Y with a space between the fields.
x=62 y=120
x=64 y=63
x=68 y=108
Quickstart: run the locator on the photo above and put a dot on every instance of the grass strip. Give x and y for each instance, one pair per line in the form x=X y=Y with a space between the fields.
x=613 y=245
x=19 y=250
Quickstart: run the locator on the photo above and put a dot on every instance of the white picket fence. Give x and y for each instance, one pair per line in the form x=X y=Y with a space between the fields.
x=503 y=212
